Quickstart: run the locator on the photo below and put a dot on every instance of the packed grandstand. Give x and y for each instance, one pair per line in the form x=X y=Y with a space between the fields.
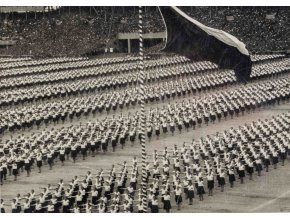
x=76 y=31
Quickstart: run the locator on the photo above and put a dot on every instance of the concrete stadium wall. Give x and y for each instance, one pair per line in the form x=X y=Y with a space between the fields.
x=20 y=9
x=134 y=36
x=7 y=42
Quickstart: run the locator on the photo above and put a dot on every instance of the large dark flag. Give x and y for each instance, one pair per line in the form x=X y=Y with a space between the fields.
x=188 y=37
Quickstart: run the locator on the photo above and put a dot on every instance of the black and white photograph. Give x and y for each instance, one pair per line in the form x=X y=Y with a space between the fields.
x=144 y=109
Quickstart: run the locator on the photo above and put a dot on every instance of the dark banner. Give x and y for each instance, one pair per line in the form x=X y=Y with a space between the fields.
x=198 y=42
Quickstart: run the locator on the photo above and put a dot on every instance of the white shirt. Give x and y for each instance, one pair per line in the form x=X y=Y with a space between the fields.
x=200 y=183
x=38 y=206
x=209 y=177
x=178 y=192
x=166 y=197
x=65 y=202
x=50 y=208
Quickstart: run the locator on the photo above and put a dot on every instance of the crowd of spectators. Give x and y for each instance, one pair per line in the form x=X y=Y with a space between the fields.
x=249 y=24
x=152 y=21
x=74 y=31
x=67 y=35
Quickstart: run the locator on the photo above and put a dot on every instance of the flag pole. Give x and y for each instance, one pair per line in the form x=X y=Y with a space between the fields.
x=141 y=80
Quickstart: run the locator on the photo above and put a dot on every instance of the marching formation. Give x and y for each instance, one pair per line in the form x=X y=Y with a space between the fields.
x=75 y=106
x=175 y=175
x=71 y=109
